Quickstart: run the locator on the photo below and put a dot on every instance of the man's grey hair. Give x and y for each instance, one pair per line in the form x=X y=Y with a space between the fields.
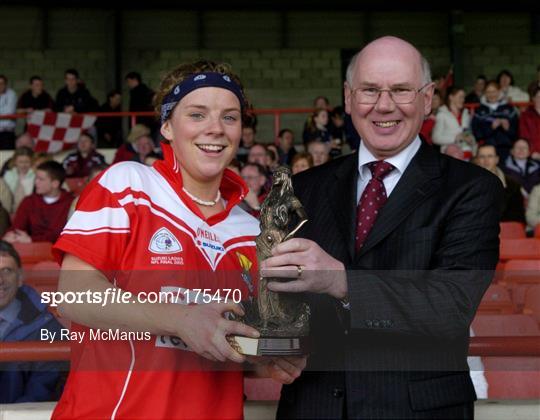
x=426 y=70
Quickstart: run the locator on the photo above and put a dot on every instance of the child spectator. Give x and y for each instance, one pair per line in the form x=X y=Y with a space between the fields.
x=79 y=164
x=452 y=118
x=495 y=122
x=20 y=178
x=301 y=162
x=42 y=215
x=521 y=167
x=316 y=127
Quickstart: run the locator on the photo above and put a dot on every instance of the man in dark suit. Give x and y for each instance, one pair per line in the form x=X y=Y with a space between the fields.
x=392 y=304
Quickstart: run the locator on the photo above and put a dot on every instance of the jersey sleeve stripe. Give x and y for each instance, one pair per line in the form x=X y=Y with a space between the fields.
x=93 y=232
x=105 y=218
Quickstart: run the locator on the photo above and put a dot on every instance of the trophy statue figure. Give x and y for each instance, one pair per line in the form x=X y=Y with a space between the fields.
x=281 y=318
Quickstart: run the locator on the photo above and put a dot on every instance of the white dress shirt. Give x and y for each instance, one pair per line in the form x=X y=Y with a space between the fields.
x=8 y=105
x=399 y=161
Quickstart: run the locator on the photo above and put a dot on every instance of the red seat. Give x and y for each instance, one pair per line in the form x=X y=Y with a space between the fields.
x=509 y=377
x=505 y=325
x=34 y=252
x=518 y=292
x=512 y=230
x=261 y=389
x=43 y=276
x=521 y=271
x=520 y=249
x=537 y=231
x=496 y=300
x=532 y=303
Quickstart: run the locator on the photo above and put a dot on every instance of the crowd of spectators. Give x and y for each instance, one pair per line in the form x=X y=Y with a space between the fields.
x=492 y=133
x=36 y=198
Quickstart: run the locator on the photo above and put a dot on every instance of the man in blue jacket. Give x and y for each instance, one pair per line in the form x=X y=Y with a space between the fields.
x=22 y=316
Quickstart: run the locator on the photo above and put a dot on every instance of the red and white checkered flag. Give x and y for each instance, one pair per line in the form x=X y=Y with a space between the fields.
x=54 y=132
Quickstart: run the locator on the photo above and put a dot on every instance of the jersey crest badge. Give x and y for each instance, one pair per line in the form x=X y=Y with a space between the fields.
x=164 y=242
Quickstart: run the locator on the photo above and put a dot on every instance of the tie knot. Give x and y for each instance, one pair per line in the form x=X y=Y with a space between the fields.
x=379 y=169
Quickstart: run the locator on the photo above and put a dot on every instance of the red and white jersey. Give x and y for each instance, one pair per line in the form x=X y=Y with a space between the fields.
x=136 y=225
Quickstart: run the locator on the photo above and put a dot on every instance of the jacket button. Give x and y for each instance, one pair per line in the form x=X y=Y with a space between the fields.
x=337 y=393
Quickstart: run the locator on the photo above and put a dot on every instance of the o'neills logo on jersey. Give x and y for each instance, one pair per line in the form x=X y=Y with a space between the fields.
x=209 y=240
x=164 y=242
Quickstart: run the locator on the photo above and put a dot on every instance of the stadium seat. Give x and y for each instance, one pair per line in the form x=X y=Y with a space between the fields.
x=518 y=292
x=520 y=249
x=537 y=231
x=513 y=378
x=505 y=325
x=43 y=276
x=261 y=389
x=34 y=252
x=512 y=230
x=496 y=300
x=532 y=303
x=521 y=271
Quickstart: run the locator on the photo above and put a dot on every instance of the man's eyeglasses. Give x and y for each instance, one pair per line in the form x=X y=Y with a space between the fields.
x=400 y=95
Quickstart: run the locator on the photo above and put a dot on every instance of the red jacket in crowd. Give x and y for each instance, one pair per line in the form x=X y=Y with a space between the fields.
x=529 y=128
x=42 y=221
x=77 y=166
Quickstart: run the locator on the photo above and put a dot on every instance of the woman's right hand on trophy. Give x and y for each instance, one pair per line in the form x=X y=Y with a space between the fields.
x=204 y=329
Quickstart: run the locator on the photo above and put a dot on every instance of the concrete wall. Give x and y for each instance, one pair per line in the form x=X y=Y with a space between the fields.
x=284 y=58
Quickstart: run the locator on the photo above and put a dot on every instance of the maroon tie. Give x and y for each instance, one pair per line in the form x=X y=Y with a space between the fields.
x=371 y=201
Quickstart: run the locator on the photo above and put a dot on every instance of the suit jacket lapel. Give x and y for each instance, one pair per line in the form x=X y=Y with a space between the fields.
x=418 y=182
x=342 y=197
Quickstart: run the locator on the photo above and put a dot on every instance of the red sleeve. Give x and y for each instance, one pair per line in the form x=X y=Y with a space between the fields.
x=21 y=220
x=524 y=130
x=99 y=229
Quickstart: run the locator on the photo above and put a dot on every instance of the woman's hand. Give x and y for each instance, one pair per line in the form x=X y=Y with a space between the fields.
x=204 y=329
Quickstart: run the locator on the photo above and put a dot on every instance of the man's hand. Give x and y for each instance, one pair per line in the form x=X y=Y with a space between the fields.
x=505 y=124
x=281 y=369
x=311 y=269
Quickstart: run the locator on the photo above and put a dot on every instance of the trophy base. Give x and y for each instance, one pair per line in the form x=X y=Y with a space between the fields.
x=270 y=346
